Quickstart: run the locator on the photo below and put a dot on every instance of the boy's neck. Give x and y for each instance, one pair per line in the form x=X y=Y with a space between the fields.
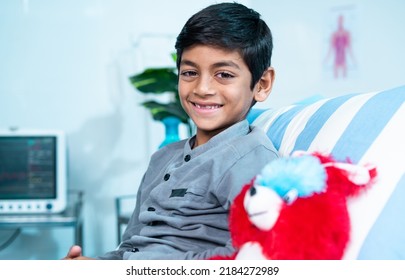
x=203 y=137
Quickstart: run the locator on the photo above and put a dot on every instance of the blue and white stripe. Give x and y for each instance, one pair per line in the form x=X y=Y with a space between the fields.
x=364 y=128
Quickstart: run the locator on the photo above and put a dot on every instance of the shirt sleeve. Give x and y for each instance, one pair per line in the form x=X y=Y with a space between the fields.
x=242 y=172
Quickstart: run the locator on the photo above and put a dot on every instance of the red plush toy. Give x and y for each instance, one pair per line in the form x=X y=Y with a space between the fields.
x=296 y=209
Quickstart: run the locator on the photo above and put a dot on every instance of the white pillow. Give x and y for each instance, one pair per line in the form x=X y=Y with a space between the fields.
x=364 y=128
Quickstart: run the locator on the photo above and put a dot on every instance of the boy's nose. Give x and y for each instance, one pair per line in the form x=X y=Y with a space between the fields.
x=205 y=86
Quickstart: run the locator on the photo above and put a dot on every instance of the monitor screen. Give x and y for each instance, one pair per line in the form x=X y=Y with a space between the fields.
x=32 y=172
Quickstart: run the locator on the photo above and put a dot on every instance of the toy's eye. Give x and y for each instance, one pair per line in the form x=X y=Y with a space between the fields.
x=252 y=191
x=290 y=196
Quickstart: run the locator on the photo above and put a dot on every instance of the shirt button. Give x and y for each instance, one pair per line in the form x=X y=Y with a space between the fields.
x=187 y=158
x=151 y=209
x=166 y=177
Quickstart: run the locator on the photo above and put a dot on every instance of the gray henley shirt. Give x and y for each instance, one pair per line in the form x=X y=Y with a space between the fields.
x=185 y=195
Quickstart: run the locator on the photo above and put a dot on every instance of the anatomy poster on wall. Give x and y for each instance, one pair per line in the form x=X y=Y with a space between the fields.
x=340 y=43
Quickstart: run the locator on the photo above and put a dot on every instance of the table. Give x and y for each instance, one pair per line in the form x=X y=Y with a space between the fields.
x=71 y=217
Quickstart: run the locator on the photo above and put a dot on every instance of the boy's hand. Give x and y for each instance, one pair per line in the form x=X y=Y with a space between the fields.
x=75 y=253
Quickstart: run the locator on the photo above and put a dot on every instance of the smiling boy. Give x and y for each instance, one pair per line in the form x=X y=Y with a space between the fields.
x=223 y=59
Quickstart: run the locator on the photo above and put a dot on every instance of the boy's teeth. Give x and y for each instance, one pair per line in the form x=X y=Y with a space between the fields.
x=207 y=106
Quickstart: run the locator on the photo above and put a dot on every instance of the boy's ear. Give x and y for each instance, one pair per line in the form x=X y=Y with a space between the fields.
x=264 y=85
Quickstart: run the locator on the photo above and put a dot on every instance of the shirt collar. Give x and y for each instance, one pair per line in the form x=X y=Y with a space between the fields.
x=238 y=129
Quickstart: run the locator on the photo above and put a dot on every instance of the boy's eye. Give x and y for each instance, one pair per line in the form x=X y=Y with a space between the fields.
x=225 y=75
x=189 y=73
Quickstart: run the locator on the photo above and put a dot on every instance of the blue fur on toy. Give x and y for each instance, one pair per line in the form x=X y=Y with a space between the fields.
x=305 y=174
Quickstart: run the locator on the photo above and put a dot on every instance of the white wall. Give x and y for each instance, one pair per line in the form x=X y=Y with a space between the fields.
x=65 y=65
x=301 y=31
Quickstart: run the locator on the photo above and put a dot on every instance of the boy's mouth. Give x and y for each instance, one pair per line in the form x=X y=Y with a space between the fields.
x=207 y=106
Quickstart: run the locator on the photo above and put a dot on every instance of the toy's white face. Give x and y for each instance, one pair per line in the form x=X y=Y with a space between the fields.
x=263 y=207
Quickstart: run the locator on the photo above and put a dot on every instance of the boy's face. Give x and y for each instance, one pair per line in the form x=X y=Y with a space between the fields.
x=214 y=89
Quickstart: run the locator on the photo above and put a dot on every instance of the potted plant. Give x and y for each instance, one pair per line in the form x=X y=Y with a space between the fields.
x=162 y=81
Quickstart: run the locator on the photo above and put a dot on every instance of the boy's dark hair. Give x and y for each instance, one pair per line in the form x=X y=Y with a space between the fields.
x=230 y=26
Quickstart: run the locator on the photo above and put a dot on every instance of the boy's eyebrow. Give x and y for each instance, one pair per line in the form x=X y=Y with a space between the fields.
x=188 y=62
x=225 y=63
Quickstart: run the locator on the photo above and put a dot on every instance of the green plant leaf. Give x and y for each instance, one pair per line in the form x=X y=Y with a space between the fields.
x=174 y=56
x=156 y=80
x=160 y=111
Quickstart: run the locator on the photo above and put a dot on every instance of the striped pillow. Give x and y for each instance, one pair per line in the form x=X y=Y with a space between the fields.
x=365 y=128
